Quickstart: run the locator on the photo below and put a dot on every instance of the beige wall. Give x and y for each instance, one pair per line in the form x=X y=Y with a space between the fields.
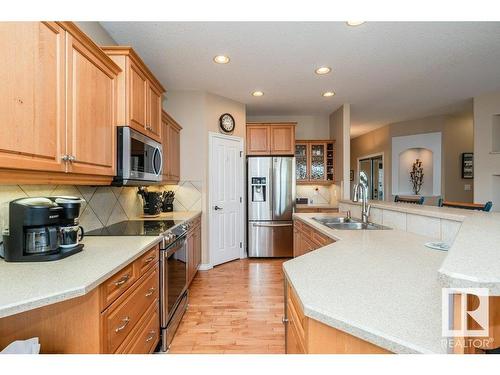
x=198 y=113
x=486 y=160
x=97 y=33
x=308 y=126
x=340 y=128
x=457 y=137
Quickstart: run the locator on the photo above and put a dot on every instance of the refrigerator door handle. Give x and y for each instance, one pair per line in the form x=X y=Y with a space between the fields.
x=272 y=225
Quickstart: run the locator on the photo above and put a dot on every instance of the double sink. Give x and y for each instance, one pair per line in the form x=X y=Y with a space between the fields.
x=343 y=223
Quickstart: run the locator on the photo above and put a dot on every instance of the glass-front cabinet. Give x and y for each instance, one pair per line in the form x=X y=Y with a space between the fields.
x=314 y=162
x=302 y=161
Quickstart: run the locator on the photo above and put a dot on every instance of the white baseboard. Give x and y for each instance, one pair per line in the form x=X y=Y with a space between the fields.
x=205 y=267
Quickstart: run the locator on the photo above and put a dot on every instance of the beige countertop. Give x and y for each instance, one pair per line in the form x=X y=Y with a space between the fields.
x=27 y=286
x=474 y=257
x=380 y=286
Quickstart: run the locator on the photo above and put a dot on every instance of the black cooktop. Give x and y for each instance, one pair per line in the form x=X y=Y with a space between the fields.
x=135 y=228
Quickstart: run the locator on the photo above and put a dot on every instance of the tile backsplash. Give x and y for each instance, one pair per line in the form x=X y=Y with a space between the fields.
x=323 y=194
x=104 y=205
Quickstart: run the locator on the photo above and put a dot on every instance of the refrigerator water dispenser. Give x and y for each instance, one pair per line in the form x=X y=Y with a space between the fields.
x=258 y=189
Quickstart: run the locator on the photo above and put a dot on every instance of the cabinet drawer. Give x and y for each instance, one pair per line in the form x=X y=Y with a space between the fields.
x=117 y=284
x=146 y=335
x=121 y=317
x=147 y=261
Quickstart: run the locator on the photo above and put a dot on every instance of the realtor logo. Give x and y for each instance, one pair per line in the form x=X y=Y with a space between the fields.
x=465 y=312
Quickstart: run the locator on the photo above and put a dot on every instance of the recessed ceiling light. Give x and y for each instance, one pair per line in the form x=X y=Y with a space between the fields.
x=221 y=59
x=355 y=23
x=328 y=94
x=257 y=93
x=323 y=70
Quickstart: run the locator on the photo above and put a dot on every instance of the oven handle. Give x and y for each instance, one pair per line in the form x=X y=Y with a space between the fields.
x=177 y=245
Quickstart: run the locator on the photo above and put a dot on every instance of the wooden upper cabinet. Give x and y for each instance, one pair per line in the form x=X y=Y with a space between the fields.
x=170 y=135
x=91 y=109
x=270 y=139
x=57 y=105
x=139 y=93
x=314 y=162
x=153 y=122
x=282 y=139
x=32 y=96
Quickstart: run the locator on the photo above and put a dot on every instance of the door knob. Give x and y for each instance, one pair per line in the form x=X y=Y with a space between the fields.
x=217 y=208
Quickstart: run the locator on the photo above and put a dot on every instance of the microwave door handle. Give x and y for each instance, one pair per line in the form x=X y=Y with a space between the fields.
x=156 y=153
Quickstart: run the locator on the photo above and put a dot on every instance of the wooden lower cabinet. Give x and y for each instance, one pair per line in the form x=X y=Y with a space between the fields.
x=308 y=336
x=306 y=239
x=119 y=316
x=194 y=249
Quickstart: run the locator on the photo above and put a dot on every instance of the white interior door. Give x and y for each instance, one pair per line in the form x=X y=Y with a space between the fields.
x=225 y=198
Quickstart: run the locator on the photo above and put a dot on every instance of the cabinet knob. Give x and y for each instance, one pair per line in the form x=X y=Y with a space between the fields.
x=65 y=158
x=72 y=158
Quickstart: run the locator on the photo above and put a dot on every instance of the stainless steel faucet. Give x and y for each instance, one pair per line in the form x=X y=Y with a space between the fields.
x=361 y=195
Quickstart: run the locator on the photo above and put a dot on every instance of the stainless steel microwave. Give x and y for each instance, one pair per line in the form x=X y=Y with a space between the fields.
x=140 y=159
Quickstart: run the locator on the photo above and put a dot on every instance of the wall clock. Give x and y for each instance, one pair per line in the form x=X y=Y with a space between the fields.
x=226 y=123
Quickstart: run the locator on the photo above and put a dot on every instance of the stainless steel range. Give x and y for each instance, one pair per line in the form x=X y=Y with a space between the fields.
x=173 y=282
x=173 y=267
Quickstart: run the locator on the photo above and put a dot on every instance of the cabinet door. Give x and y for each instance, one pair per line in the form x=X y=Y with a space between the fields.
x=190 y=254
x=302 y=162
x=282 y=139
x=258 y=140
x=166 y=149
x=138 y=85
x=294 y=344
x=91 y=111
x=296 y=243
x=174 y=139
x=197 y=248
x=153 y=126
x=32 y=76
x=318 y=162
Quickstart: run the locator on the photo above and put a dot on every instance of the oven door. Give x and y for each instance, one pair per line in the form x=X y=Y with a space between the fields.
x=173 y=272
x=140 y=158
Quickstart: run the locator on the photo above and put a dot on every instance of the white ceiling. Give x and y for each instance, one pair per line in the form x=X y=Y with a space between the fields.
x=387 y=71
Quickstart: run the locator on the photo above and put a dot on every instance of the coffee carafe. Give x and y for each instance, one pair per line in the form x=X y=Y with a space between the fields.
x=35 y=226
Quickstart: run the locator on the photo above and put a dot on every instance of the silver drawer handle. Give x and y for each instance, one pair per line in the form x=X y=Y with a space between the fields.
x=148 y=260
x=150 y=292
x=272 y=225
x=125 y=321
x=151 y=336
x=123 y=280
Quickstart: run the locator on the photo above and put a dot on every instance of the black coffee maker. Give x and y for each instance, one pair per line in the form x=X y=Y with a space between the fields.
x=35 y=227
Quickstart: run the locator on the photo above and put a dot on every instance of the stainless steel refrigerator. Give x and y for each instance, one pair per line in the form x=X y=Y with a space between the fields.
x=271 y=199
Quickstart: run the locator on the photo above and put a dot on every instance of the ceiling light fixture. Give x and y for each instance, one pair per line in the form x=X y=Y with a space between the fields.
x=323 y=70
x=257 y=93
x=355 y=23
x=221 y=59
x=328 y=94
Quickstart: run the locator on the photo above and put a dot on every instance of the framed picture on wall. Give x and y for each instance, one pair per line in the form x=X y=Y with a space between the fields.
x=468 y=165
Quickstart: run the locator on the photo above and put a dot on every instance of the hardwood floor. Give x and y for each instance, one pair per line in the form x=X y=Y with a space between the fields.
x=234 y=308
